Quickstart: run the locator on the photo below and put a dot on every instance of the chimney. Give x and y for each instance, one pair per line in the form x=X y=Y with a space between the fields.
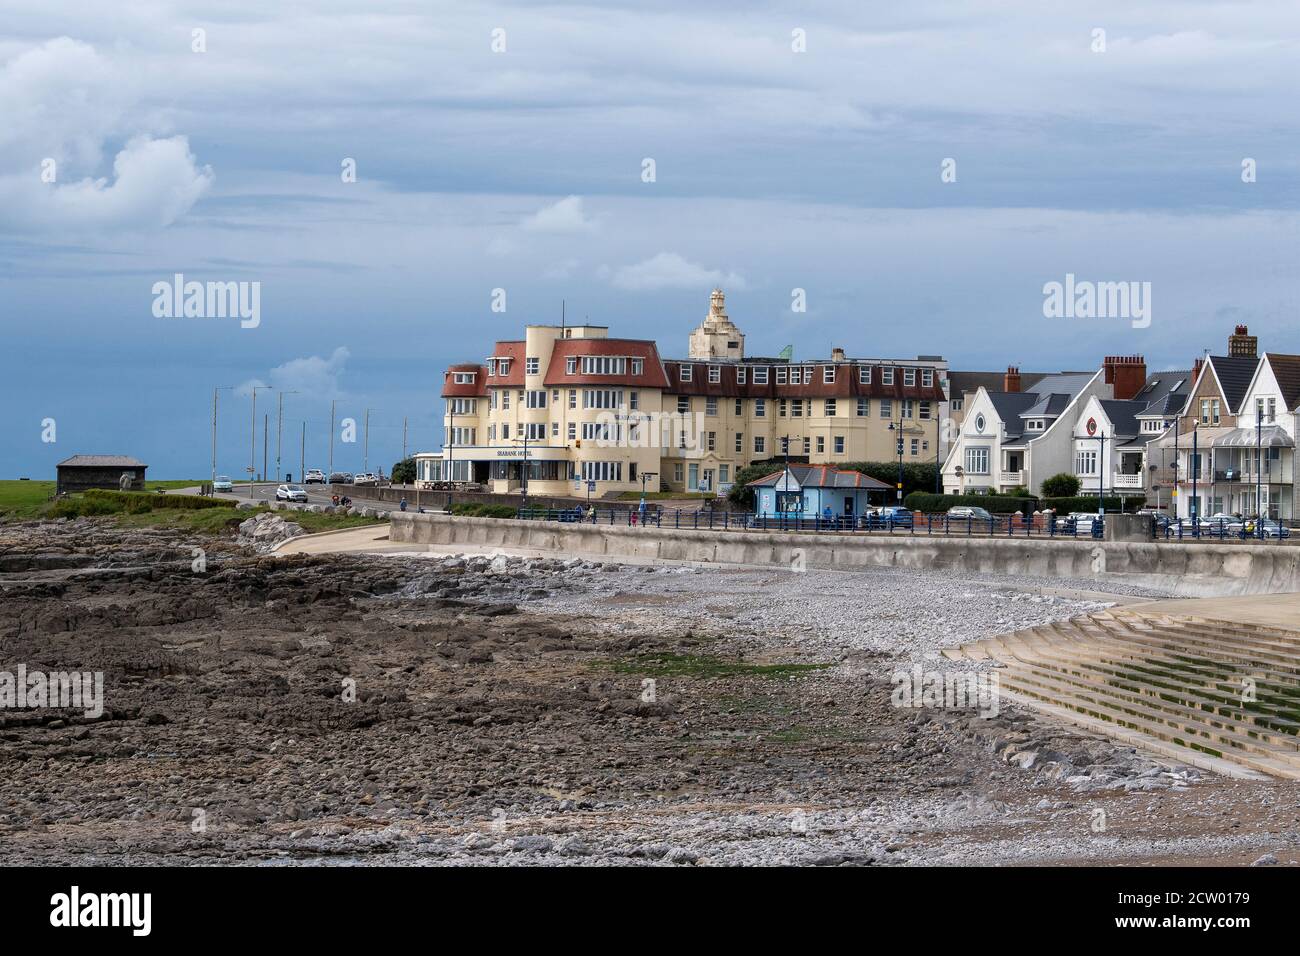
x=1127 y=374
x=1196 y=368
x=837 y=355
x=1011 y=380
x=1242 y=345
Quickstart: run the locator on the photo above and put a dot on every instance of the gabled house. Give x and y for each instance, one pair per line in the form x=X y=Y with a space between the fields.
x=1256 y=460
x=808 y=490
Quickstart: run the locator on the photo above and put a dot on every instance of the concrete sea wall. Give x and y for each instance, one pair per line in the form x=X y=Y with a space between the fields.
x=1192 y=570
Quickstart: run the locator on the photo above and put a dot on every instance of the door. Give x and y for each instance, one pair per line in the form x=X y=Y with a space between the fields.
x=848 y=506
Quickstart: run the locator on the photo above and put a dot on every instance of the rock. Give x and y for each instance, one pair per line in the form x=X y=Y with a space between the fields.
x=1268 y=859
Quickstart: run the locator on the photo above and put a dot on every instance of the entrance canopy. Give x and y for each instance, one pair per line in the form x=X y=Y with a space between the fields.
x=1270 y=436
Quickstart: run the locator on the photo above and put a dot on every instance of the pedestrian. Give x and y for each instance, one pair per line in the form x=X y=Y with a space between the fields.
x=402 y=503
x=642 y=510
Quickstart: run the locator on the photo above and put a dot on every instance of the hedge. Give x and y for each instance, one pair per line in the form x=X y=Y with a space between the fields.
x=1063 y=506
x=137 y=502
x=931 y=503
x=474 y=509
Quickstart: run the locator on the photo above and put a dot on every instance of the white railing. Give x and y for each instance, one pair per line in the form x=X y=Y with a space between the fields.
x=1127 y=481
x=1013 y=477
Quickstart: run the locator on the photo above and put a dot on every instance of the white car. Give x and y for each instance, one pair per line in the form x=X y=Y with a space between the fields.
x=223 y=483
x=291 y=493
x=1083 y=521
x=314 y=476
x=366 y=479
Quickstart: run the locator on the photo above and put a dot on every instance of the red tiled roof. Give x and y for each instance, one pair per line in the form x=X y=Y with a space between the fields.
x=477 y=389
x=846 y=384
x=652 y=374
x=514 y=351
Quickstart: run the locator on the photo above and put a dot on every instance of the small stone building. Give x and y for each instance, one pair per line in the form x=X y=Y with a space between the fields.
x=81 y=472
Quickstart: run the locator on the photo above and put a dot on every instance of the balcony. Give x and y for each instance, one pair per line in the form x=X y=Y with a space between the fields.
x=1013 y=478
x=1128 y=482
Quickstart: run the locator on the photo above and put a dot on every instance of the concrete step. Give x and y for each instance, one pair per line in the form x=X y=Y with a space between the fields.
x=1192 y=649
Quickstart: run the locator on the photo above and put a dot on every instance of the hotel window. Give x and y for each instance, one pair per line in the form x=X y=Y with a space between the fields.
x=916 y=442
x=532 y=366
x=740 y=376
x=927 y=377
x=758 y=445
x=603 y=365
x=740 y=406
x=807 y=374
x=760 y=375
x=828 y=374
x=909 y=377
x=712 y=441
x=925 y=411
x=887 y=376
x=907 y=408
x=633 y=400
x=573 y=430
x=464 y=406
x=678 y=473
x=602 y=471
x=683 y=404
x=536 y=431
x=807 y=445
x=684 y=373
x=463 y=436
x=492 y=366
x=573 y=397
x=537 y=398
x=463 y=378
x=715 y=374
x=781 y=408
x=780 y=376
x=503 y=366
x=711 y=406
x=760 y=408
x=829 y=407
x=724 y=473
x=821 y=444
x=740 y=442
x=601 y=398
x=864 y=407
x=492 y=434
x=864 y=374
x=638 y=366
x=796 y=408
x=505 y=431
x=505 y=401
x=555 y=429
x=977 y=461
x=570 y=365
x=886 y=408
x=839 y=444
x=555 y=396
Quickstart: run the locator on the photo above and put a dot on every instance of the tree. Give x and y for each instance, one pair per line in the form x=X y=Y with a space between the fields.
x=741 y=494
x=1064 y=485
x=404 y=472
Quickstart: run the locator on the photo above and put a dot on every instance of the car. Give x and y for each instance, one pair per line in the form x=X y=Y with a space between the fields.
x=314 y=476
x=365 y=479
x=340 y=478
x=223 y=483
x=1083 y=522
x=1268 y=528
x=969 y=512
x=893 y=516
x=291 y=493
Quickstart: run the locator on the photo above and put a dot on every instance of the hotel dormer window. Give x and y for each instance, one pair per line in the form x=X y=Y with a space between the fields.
x=463 y=378
x=828 y=374
x=532 y=366
x=638 y=366
x=715 y=374
x=570 y=365
x=909 y=377
x=887 y=376
x=684 y=373
x=864 y=374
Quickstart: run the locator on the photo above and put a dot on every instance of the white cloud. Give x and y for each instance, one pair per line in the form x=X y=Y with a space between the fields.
x=63 y=104
x=310 y=376
x=565 y=216
x=668 y=270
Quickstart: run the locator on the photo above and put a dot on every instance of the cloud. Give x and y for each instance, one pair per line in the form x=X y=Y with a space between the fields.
x=311 y=376
x=63 y=103
x=668 y=270
x=565 y=216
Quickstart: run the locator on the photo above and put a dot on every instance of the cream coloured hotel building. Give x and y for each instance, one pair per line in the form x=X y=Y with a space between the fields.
x=573 y=405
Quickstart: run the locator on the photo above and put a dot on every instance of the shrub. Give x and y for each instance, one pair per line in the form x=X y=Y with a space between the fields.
x=474 y=509
x=404 y=472
x=1063 y=506
x=138 y=502
x=83 y=508
x=1063 y=485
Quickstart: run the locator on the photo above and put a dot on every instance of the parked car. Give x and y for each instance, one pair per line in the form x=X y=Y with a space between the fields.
x=314 y=476
x=223 y=483
x=1083 y=522
x=970 y=512
x=1268 y=528
x=340 y=478
x=365 y=478
x=291 y=493
x=894 y=516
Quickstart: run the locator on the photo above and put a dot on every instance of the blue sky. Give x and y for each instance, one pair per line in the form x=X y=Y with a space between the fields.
x=522 y=170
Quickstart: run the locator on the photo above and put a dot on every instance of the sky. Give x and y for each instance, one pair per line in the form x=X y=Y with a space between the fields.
x=380 y=169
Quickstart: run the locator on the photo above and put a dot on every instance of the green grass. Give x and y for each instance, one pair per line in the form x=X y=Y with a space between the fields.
x=217 y=521
x=659 y=495
x=706 y=666
x=24 y=499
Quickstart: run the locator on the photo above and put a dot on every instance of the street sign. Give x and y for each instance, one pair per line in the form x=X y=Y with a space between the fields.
x=591 y=486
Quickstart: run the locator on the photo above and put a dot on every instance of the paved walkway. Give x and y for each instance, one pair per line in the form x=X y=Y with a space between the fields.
x=1266 y=610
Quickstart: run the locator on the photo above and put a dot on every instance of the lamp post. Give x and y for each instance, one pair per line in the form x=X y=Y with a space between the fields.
x=252 y=438
x=938 y=465
x=279 y=429
x=214 y=429
x=1195 y=506
x=1101 y=473
x=1259 y=473
x=898 y=494
x=330 y=477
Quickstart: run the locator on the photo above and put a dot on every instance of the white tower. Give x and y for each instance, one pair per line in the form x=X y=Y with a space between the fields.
x=717 y=336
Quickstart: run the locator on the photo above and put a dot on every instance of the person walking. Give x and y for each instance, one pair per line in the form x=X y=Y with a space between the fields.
x=402 y=503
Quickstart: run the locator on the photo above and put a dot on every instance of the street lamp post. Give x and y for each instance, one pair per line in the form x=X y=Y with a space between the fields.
x=252 y=439
x=1259 y=473
x=214 y=429
x=1101 y=474
x=279 y=429
x=1196 y=471
x=898 y=493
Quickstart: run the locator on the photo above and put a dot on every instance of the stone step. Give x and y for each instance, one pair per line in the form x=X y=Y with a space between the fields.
x=1192 y=649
